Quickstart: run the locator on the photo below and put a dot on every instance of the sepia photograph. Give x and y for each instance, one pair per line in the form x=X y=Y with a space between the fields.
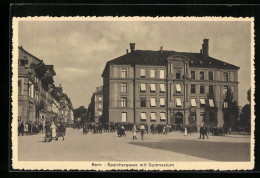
x=132 y=93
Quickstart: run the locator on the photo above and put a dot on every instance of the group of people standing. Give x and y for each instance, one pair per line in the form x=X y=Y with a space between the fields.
x=30 y=128
x=54 y=131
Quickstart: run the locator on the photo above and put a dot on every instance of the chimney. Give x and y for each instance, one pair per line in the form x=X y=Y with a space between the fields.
x=205 y=48
x=132 y=47
x=126 y=51
x=161 y=49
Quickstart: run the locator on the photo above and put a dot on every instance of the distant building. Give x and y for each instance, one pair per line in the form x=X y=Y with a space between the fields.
x=160 y=87
x=95 y=109
x=39 y=100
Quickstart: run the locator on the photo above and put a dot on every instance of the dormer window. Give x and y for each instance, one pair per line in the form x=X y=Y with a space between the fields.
x=23 y=62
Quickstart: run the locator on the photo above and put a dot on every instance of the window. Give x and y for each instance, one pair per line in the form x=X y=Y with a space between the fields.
x=225 y=76
x=178 y=102
x=192 y=74
x=225 y=89
x=202 y=102
x=143 y=88
x=201 y=75
x=211 y=103
x=152 y=73
x=171 y=68
x=225 y=104
x=99 y=106
x=178 y=88
x=162 y=74
x=210 y=75
x=100 y=113
x=193 y=89
x=123 y=102
x=201 y=89
x=123 y=87
x=142 y=71
x=99 y=98
x=143 y=102
x=19 y=87
x=163 y=116
x=153 y=103
x=178 y=74
x=123 y=116
x=162 y=87
x=152 y=87
x=123 y=73
x=193 y=102
x=23 y=62
x=143 y=116
x=210 y=89
x=153 y=116
x=162 y=102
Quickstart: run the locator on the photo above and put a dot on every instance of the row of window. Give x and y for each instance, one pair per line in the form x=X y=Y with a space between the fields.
x=178 y=88
x=144 y=117
x=177 y=74
x=162 y=102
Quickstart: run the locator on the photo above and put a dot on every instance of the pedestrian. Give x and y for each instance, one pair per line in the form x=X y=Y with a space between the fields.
x=229 y=130
x=185 y=131
x=134 y=133
x=142 y=129
x=21 y=129
x=26 y=128
x=205 y=129
x=53 y=130
x=164 y=130
x=201 y=132
x=30 y=128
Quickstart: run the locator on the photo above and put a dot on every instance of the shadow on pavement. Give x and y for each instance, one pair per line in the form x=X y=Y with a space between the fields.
x=216 y=151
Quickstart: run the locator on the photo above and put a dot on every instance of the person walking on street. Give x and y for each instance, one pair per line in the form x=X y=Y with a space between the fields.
x=185 y=131
x=53 y=130
x=26 y=128
x=30 y=128
x=142 y=129
x=134 y=132
x=201 y=132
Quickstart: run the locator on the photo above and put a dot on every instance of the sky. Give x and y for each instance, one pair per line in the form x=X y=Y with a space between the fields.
x=79 y=50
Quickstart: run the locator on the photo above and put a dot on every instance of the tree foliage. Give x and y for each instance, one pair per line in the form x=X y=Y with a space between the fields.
x=245 y=116
x=231 y=113
x=79 y=112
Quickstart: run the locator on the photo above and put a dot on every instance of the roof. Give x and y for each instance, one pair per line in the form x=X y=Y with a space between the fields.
x=21 y=48
x=145 y=57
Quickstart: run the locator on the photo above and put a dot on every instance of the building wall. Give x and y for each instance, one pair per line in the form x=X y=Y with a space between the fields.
x=112 y=92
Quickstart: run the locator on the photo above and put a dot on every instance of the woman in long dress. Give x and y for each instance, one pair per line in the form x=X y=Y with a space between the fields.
x=53 y=130
x=185 y=131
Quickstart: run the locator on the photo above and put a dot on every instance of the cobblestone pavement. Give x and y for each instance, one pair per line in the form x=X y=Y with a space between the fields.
x=109 y=147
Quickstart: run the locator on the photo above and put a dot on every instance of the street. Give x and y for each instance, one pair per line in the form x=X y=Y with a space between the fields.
x=109 y=147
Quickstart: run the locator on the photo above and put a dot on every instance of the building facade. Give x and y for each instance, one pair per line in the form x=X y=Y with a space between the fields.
x=159 y=87
x=95 y=108
x=38 y=97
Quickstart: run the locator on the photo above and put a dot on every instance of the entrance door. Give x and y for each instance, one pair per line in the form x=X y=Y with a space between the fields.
x=178 y=118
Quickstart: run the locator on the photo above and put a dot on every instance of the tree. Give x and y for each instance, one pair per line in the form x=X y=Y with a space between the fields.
x=245 y=116
x=80 y=112
x=231 y=113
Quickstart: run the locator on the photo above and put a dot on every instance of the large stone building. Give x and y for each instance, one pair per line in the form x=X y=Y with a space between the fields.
x=38 y=98
x=167 y=87
x=95 y=108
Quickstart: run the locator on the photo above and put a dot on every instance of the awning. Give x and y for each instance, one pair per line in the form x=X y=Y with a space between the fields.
x=152 y=87
x=193 y=102
x=162 y=87
x=202 y=101
x=152 y=100
x=178 y=101
x=153 y=116
x=143 y=88
x=163 y=116
x=143 y=115
x=211 y=103
x=178 y=87
x=143 y=72
x=162 y=101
